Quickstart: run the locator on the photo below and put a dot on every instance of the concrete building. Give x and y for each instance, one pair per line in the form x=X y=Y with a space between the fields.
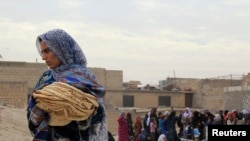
x=17 y=80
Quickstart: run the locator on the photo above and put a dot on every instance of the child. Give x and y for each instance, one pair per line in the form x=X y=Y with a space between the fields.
x=196 y=133
x=153 y=128
x=143 y=136
x=188 y=131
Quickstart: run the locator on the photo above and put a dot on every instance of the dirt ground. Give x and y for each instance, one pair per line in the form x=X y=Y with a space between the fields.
x=13 y=124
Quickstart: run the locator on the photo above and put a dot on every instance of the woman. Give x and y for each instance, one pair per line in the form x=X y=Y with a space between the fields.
x=67 y=101
x=171 y=127
x=122 y=128
x=187 y=116
x=146 y=121
x=137 y=127
x=130 y=125
x=164 y=123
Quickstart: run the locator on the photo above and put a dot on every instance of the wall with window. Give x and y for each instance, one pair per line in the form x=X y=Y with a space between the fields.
x=144 y=99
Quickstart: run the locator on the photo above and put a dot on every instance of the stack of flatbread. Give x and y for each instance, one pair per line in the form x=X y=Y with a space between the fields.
x=65 y=103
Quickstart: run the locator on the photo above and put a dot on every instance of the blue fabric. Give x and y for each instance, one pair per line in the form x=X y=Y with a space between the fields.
x=82 y=81
x=164 y=127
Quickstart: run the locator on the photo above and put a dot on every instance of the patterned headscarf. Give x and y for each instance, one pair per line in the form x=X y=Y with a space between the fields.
x=63 y=46
x=73 y=69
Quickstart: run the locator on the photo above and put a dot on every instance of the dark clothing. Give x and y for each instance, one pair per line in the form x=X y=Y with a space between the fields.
x=110 y=136
x=144 y=136
x=171 y=122
x=180 y=125
x=146 y=122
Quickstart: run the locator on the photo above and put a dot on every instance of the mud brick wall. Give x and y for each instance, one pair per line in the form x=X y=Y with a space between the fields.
x=21 y=77
x=13 y=93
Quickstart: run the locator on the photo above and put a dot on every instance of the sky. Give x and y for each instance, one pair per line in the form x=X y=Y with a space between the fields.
x=148 y=40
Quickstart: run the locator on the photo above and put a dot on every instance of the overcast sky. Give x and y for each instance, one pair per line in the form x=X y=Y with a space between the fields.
x=149 y=40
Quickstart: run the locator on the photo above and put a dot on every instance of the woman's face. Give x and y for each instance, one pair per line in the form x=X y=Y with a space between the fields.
x=47 y=55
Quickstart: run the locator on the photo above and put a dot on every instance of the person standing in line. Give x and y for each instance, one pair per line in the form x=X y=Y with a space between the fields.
x=122 y=128
x=225 y=117
x=164 y=127
x=153 y=128
x=144 y=136
x=67 y=103
x=147 y=117
x=137 y=127
x=187 y=116
x=180 y=125
x=160 y=122
x=171 y=127
x=196 y=133
x=130 y=126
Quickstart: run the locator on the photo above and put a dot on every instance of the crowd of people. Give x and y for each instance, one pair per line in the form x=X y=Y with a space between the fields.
x=170 y=126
